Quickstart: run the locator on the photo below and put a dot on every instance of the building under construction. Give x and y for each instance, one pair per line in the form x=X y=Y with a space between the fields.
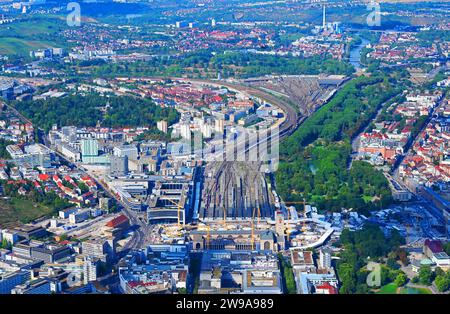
x=169 y=202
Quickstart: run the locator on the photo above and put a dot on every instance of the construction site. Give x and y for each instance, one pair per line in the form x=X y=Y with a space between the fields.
x=259 y=233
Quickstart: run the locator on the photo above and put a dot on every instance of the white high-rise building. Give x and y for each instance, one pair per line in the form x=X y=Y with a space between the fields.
x=185 y=131
x=325 y=258
x=162 y=126
x=207 y=130
x=219 y=125
x=90 y=269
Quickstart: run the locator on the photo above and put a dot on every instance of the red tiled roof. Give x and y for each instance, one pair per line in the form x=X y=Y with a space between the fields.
x=113 y=223
x=326 y=286
x=43 y=177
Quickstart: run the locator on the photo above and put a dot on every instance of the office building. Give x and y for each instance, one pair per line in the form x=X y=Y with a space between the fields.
x=185 y=131
x=101 y=248
x=35 y=155
x=79 y=216
x=50 y=253
x=10 y=280
x=129 y=151
x=119 y=166
x=90 y=152
x=325 y=258
x=90 y=269
x=219 y=125
x=89 y=148
x=40 y=286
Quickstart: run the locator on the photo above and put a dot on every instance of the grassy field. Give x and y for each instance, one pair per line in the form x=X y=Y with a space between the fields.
x=22 y=47
x=392 y=288
x=20 y=210
x=21 y=36
x=33 y=26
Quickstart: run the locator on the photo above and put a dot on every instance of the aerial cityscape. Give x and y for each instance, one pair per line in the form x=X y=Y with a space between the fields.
x=238 y=147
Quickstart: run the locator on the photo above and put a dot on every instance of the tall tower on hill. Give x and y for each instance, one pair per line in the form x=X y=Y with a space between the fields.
x=324 y=22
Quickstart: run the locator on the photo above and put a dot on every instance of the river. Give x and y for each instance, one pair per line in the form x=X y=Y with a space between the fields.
x=355 y=54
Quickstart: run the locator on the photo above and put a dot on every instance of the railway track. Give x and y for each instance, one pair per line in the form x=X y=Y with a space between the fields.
x=233 y=195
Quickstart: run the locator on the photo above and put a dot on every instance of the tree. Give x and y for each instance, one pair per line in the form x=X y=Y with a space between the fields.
x=329 y=131
x=347 y=277
x=403 y=256
x=400 y=280
x=396 y=239
x=442 y=282
x=84 y=111
x=388 y=275
x=446 y=247
x=425 y=275
x=439 y=272
x=392 y=263
x=288 y=275
x=83 y=187
x=3 y=153
x=6 y=244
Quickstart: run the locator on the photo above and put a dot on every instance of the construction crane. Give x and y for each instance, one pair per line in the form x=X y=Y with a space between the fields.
x=259 y=217
x=208 y=236
x=253 y=227
x=180 y=210
x=253 y=236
